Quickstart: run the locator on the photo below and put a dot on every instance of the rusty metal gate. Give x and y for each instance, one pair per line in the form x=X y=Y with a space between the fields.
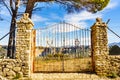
x=62 y=47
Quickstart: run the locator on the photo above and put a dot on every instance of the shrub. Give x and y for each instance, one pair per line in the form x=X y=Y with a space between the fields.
x=112 y=75
x=114 y=50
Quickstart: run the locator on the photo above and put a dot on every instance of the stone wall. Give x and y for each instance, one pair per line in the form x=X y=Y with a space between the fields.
x=21 y=66
x=114 y=66
x=11 y=68
x=103 y=64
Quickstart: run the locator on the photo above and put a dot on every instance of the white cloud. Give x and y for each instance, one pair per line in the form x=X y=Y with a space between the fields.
x=37 y=18
x=84 y=15
x=5 y=13
x=112 y=4
x=55 y=16
x=80 y=18
x=50 y=23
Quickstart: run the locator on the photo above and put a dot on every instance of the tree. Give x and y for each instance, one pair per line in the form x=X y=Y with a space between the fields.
x=114 y=50
x=11 y=44
x=2 y=52
x=70 y=6
x=0 y=10
x=13 y=9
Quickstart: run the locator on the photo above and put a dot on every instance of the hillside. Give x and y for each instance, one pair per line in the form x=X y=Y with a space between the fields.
x=115 y=43
x=3 y=51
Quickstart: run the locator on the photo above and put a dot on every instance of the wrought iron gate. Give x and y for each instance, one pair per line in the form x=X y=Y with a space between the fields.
x=62 y=48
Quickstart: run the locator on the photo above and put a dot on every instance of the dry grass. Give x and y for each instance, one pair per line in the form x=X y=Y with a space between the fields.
x=70 y=65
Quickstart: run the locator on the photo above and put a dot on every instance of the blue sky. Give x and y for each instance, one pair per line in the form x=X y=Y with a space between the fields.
x=54 y=14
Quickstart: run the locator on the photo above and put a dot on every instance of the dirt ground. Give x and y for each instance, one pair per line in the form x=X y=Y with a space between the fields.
x=69 y=76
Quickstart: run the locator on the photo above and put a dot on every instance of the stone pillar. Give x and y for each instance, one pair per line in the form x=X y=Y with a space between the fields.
x=24 y=42
x=99 y=45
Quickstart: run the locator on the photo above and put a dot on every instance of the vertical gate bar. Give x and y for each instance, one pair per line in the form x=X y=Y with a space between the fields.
x=64 y=35
x=52 y=41
x=36 y=37
x=54 y=38
x=63 y=45
x=61 y=37
x=39 y=37
x=57 y=39
x=78 y=43
x=49 y=46
x=81 y=43
x=88 y=40
x=73 y=41
x=69 y=39
x=80 y=40
x=45 y=39
x=60 y=31
x=84 y=42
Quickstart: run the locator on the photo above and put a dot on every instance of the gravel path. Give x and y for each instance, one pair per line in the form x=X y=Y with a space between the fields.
x=67 y=76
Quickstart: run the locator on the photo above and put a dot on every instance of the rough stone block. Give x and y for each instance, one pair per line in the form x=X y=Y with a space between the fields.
x=6 y=69
x=11 y=73
x=17 y=69
x=9 y=66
